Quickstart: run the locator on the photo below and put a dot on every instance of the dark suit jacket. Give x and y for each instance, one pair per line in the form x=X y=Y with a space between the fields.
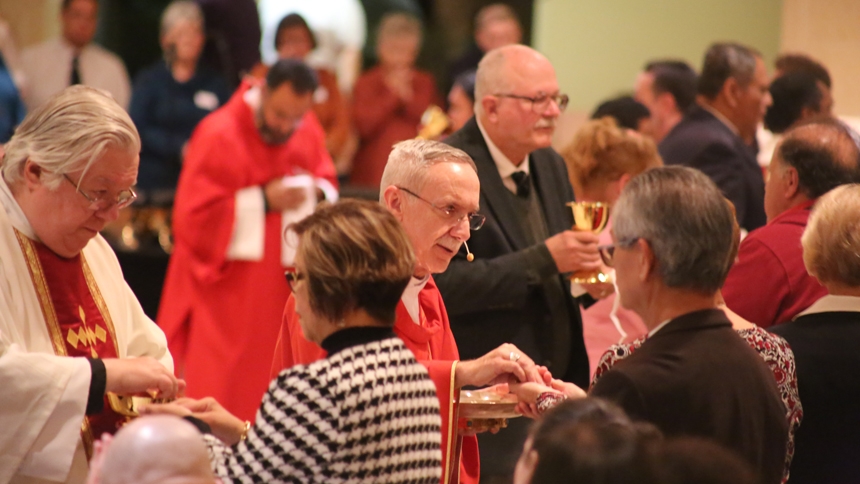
x=827 y=444
x=503 y=295
x=697 y=377
x=704 y=142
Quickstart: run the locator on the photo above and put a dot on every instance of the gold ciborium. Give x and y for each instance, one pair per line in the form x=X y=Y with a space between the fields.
x=592 y=217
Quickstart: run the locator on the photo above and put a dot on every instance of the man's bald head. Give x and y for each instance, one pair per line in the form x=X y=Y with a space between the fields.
x=517 y=100
x=500 y=68
x=811 y=160
x=824 y=153
x=156 y=450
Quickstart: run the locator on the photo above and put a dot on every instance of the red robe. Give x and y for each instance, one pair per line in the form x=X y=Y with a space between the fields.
x=433 y=345
x=382 y=119
x=221 y=316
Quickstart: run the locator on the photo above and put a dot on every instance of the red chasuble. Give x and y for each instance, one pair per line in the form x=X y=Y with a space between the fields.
x=221 y=316
x=433 y=345
x=77 y=319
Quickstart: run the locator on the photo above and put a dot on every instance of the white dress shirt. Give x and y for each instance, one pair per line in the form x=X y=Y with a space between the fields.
x=48 y=68
x=503 y=164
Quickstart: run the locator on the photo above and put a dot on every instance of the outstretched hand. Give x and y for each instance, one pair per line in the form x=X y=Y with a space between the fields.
x=505 y=364
x=142 y=376
x=226 y=426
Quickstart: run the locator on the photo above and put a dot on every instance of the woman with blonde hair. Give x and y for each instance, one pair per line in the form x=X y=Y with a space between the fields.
x=601 y=159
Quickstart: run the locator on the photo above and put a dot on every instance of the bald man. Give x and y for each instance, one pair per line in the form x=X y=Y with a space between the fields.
x=159 y=449
x=514 y=290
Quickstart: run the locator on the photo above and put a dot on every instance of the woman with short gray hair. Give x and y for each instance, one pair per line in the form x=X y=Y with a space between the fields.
x=170 y=98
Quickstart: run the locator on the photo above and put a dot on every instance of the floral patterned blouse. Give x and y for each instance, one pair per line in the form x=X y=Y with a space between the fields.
x=775 y=352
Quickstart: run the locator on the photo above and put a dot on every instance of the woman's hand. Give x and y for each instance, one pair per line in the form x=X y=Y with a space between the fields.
x=226 y=426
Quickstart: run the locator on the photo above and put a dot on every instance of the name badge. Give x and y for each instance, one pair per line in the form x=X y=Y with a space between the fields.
x=206 y=100
x=320 y=95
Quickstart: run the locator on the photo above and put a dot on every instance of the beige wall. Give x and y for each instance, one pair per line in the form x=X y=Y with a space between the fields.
x=828 y=30
x=31 y=21
x=598 y=47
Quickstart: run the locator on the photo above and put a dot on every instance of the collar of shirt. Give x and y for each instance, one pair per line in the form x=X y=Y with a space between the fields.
x=410 y=297
x=13 y=210
x=503 y=164
x=831 y=303
x=722 y=118
x=658 y=328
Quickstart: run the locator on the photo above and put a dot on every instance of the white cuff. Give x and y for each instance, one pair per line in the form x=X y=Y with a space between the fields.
x=249 y=226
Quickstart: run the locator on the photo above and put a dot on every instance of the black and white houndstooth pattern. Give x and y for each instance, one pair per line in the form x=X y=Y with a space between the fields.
x=367 y=414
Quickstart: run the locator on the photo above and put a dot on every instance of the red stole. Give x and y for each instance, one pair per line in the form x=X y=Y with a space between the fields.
x=77 y=319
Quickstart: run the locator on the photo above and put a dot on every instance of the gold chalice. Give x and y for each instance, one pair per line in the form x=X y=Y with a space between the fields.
x=589 y=216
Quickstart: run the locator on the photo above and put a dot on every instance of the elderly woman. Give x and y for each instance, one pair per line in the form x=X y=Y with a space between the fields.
x=367 y=412
x=170 y=98
x=389 y=99
x=295 y=40
x=825 y=338
x=601 y=159
x=71 y=331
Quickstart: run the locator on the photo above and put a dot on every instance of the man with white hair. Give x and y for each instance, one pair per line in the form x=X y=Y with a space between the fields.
x=514 y=290
x=72 y=334
x=157 y=449
x=432 y=189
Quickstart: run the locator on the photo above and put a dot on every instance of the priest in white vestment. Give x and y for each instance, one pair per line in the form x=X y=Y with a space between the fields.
x=72 y=334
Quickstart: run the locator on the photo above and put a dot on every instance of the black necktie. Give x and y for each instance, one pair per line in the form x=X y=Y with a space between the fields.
x=76 y=76
x=521 y=178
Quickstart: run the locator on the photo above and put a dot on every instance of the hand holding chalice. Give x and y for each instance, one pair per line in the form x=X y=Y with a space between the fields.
x=591 y=217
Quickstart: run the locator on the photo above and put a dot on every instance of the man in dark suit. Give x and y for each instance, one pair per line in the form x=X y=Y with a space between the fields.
x=672 y=235
x=514 y=290
x=717 y=136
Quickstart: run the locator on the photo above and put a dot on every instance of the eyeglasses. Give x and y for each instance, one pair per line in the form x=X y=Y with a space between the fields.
x=476 y=220
x=123 y=198
x=293 y=278
x=607 y=252
x=540 y=103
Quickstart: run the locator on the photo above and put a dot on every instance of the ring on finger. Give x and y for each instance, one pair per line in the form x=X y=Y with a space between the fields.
x=514 y=356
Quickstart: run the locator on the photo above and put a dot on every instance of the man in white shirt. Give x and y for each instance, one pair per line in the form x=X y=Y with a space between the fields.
x=72 y=58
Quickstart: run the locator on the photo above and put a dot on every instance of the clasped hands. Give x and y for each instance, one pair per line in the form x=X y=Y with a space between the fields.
x=512 y=371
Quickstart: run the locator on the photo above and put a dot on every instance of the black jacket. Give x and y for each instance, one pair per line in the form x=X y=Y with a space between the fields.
x=698 y=377
x=503 y=295
x=704 y=142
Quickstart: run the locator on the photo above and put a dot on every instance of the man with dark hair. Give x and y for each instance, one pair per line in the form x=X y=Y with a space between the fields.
x=801 y=63
x=668 y=89
x=627 y=113
x=790 y=63
x=251 y=167
x=769 y=284
x=796 y=97
x=73 y=58
x=715 y=135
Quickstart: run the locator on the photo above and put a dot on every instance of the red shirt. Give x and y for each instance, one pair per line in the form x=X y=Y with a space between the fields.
x=768 y=284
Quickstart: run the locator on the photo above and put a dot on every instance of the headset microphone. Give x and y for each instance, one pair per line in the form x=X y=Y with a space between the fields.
x=469 y=256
